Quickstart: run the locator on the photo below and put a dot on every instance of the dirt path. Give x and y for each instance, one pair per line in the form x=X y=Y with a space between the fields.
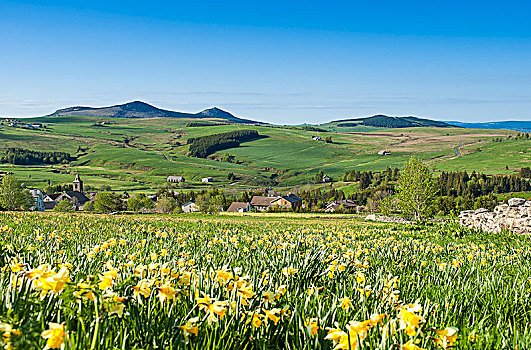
x=458 y=152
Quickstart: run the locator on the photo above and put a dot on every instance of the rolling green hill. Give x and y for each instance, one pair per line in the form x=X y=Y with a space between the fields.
x=382 y=122
x=137 y=154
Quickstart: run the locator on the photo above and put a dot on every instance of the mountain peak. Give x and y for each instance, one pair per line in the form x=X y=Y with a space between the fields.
x=138 y=106
x=216 y=112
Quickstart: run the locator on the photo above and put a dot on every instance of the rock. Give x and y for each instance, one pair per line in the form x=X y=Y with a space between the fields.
x=500 y=208
x=515 y=217
x=516 y=202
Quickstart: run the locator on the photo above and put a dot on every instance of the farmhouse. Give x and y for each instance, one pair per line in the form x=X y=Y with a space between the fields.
x=327 y=178
x=384 y=153
x=190 y=207
x=207 y=179
x=262 y=203
x=290 y=201
x=239 y=207
x=173 y=178
x=346 y=205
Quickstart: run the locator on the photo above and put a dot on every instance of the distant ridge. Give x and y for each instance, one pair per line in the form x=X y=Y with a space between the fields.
x=516 y=125
x=384 y=121
x=139 y=109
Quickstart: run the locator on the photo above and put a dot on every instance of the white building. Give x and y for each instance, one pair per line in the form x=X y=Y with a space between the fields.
x=38 y=197
x=207 y=179
x=190 y=207
x=174 y=178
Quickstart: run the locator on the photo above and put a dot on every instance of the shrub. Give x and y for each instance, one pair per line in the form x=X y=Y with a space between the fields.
x=64 y=206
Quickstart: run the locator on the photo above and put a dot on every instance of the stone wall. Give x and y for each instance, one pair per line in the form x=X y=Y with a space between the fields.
x=514 y=216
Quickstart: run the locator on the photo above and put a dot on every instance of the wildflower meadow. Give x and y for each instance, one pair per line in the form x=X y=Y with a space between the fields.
x=212 y=282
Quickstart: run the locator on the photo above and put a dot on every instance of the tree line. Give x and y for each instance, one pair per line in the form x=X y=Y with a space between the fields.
x=21 y=156
x=476 y=184
x=203 y=146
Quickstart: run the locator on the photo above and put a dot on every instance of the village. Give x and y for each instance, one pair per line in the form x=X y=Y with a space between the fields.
x=80 y=200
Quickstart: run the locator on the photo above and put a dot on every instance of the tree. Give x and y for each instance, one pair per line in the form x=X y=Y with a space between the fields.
x=13 y=196
x=64 y=206
x=134 y=203
x=211 y=201
x=328 y=139
x=89 y=206
x=318 y=177
x=166 y=204
x=107 y=202
x=365 y=180
x=416 y=190
x=525 y=172
x=140 y=202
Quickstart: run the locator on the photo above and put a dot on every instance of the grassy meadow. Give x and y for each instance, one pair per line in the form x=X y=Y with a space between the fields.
x=138 y=154
x=237 y=282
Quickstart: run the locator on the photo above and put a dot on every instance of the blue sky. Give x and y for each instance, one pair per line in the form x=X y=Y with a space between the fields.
x=277 y=61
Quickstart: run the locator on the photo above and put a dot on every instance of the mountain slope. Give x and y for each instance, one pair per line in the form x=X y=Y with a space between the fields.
x=139 y=109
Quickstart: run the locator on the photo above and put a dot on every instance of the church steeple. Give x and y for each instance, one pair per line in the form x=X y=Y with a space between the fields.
x=78 y=184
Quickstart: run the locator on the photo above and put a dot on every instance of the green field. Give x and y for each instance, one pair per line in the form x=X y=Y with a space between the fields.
x=274 y=281
x=138 y=154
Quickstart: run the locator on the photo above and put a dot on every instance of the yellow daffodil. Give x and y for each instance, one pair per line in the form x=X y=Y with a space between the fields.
x=218 y=308
x=55 y=335
x=447 y=337
x=410 y=345
x=408 y=319
x=346 y=303
x=360 y=277
x=143 y=288
x=272 y=315
x=167 y=292
x=313 y=324
x=190 y=328
x=113 y=304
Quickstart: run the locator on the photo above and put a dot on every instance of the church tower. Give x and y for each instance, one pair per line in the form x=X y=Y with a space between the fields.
x=78 y=184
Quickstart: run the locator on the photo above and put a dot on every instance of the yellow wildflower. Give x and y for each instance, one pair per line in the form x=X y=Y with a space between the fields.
x=190 y=327
x=410 y=345
x=143 y=288
x=409 y=321
x=55 y=336
x=113 y=304
x=272 y=315
x=447 y=337
x=312 y=323
x=167 y=292
x=346 y=303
